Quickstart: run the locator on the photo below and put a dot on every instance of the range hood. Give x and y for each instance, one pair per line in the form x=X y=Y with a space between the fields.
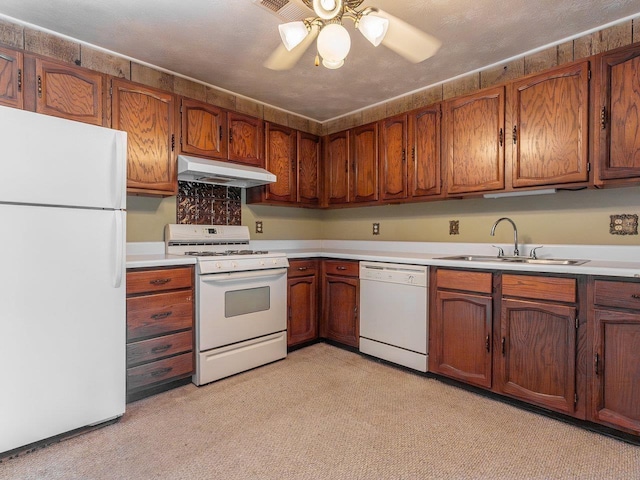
x=201 y=170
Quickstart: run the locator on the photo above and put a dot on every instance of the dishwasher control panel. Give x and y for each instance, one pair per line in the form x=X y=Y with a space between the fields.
x=394 y=273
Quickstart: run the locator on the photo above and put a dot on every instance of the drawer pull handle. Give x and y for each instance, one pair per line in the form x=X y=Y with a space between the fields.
x=161 y=371
x=504 y=341
x=597 y=364
x=161 y=348
x=636 y=296
x=341 y=268
x=160 y=281
x=161 y=315
x=303 y=269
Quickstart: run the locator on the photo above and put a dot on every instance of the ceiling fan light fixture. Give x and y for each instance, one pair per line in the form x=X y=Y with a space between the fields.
x=332 y=65
x=373 y=28
x=334 y=44
x=293 y=33
x=327 y=9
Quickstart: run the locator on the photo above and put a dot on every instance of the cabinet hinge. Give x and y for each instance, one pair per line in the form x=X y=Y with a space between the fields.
x=111 y=91
x=603 y=118
x=588 y=166
x=19 y=79
x=575 y=399
x=577 y=323
x=173 y=142
x=589 y=74
x=39 y=86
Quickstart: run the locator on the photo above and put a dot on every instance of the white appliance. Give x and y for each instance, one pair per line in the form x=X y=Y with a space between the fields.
x=394 y=313
x=241 y=299
x=202 y=170
x=62 y=287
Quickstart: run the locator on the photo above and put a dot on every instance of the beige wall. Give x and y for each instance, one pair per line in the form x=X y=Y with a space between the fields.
x=562 y=218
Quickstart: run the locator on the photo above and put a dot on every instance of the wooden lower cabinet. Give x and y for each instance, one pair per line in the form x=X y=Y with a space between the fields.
x=302 y=302
x=340 y=302
x=615 y=366
x=159 y=329
x=460 y=327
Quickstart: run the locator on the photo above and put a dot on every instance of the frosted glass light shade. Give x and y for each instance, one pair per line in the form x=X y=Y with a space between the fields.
x=373 y=28
x=334 y=44
x=292 y=34
x=332 y=65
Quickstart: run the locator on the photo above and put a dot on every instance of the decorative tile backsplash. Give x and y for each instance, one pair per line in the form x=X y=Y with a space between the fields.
x=203 y=204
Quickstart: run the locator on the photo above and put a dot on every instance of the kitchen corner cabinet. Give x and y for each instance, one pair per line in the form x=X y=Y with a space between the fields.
x=11 y=77
x=615 y=366
x=308 y=171
x=245 y=139
x=148 y=117
x=460 y=326
x=550 y=124
x=538 y=341
x=159 y=328
x=204 y=129
x=474 y=145
x=364 y=160
x=340 y=300
x=302 y=302
x=424 y=172
x=617 y=143
x=337 y=172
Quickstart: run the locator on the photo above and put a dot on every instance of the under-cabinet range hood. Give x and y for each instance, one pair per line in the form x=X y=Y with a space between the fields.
x=201 y=170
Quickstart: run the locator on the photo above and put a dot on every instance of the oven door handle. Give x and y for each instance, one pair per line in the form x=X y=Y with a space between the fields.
x=233 y=276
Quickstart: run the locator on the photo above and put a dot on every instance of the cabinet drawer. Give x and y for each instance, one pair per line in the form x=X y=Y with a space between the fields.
x=480 y=282
x=154 y=348
x=617 y=294
x=157 y=280
x=160 y=371
x=541 y=288
x=302 y=268
x=346 y=269
x=151 y=315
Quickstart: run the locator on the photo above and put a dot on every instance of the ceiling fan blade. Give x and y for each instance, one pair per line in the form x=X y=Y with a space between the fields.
x=283 y=59
x=407 y=40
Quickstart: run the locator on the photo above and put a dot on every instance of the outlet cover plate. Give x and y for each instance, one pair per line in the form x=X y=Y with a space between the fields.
x=623 y=225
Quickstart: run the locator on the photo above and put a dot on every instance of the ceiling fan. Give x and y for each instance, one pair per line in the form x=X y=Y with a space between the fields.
x=333 y=40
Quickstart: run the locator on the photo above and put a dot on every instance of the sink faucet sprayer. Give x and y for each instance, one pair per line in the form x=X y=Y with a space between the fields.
x=516 y=252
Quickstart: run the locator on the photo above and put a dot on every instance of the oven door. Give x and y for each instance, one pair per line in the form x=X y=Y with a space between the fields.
x=238 y=306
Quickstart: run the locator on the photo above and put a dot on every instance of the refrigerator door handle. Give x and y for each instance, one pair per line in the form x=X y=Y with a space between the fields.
x=119 y=242
x=119 y=169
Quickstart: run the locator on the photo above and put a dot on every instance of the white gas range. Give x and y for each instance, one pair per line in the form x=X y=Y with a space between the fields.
x=241 y=299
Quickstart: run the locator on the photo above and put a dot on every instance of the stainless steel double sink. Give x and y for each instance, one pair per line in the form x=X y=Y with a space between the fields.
x=517 y=259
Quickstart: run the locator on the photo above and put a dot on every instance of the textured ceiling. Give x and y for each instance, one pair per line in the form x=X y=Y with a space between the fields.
x=225 y=42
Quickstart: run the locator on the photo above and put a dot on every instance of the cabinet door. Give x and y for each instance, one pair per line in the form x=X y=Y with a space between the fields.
x=393 y=158
x=69 y=92
x=550 y=127
x=475 y=142
x=280 y=160
x=308 y=171
x=147 y=115
x=11 y=68
x=302 y=325
x=204 y=130
x=340 y=312
x=460 y=337
x=337 y=172
x=616 y=367
x=246 y=135
x=365 y=163
x=618 y=106
x=424 y=140
x=538 y=353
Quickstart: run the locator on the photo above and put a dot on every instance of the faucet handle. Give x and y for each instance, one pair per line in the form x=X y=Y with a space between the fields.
x=500 y=250
x=533 y=252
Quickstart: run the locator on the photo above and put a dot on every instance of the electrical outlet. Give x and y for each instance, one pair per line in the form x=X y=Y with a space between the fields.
x=454 y=227
x=376 y=229
x=259 y=226
x=623 y=224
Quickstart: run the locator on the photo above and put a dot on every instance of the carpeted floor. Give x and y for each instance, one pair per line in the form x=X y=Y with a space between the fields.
x=325 y=413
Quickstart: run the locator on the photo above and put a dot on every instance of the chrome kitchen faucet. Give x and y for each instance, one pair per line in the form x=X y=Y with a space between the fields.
x=516 y=252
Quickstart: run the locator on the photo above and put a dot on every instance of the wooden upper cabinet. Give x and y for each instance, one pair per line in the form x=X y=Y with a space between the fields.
x=618 y=109
x=308 y=169
x=281 y=161
x=364 y=153
x=337 y=173
x=424 y=177
x=70 y=92
x=246 y=135
x=204 y=129
x=11 y=71
x=393 y=158
x=148 y=117
x=549 y=127
x=475 y=142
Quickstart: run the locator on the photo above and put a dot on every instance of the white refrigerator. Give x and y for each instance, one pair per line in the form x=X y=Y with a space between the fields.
x=62 y=276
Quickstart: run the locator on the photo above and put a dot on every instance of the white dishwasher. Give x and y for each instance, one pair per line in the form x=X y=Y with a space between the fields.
x=394 y=313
